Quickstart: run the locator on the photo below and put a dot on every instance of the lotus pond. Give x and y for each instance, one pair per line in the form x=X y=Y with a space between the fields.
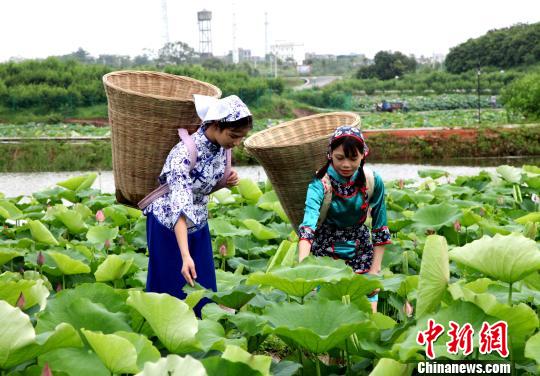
x=73 y=269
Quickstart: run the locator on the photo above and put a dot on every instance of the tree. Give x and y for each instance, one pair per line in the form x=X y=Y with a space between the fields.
x=523 y=96
x=388 y=65
x=176 y=53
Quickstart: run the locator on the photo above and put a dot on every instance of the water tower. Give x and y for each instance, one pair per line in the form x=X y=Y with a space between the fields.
x=205 y=33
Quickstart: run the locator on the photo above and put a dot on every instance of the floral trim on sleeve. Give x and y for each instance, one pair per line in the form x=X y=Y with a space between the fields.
x=380 y=236
x=306 y=233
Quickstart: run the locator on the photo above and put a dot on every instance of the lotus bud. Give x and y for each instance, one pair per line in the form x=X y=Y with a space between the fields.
x=46 y=371
x=58 y=287
x=481 y=212
x=107 y=244
x=408 y=308
x=535 y=198
x=223 y=250
x=401 y=184
x=100 y=217
x=21 y=301
x=40 y=259
x=457 y=226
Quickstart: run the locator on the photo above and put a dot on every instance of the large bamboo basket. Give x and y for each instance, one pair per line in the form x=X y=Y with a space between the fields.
x=291 y=152
x=145 y=111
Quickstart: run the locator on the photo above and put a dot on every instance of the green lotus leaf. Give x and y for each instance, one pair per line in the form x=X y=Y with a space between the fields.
x=259 y=230
x=8 y=254
x=99 y=234
x=255 y=265
x=284 y=256
x=211 y=336
x=224 y=196
x=506 y=258
x=146 y=352
x=68 y=265
x=117 y=213
x=93 y=306
x=408 y=288
x=75 y=361
x=469 y=218
x=259 y=363
x=532 y=349
x=251 y=212
x=34 y=292
x=355 y=286
x=174 y=365
x=531 y=169
x=436 y=216
x=249 y=323
x=234 y=298
x=41 y=233
x=73 y=220
x=217 y=365
x=19 y=343
x=227 y=280
x=267 y=198
x=531 y=217
x=78 y=183
x=83 y=210
x=114 y=267
x=223 y=227
x=387 y=366
x=214 y=312
x=304 y=277
x=490 y=228
x=228 y=243
x=317 y=325
x=434 y=275
x=432 y=173
x=533 y=181
x=117 y=353
x=8 y=210
x=170 y=318
x=509 y=173
x=249 y=190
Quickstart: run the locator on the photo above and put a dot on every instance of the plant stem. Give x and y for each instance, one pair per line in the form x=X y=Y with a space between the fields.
x=300 y=359
x=63 y=282
x=317 y=366
x=510 y=295
x=349 y=370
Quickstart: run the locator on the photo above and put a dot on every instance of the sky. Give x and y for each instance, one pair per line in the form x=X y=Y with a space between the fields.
x=41 y=28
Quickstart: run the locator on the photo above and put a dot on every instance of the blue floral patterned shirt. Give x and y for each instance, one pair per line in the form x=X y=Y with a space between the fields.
x=189 y=191
x=346 y=209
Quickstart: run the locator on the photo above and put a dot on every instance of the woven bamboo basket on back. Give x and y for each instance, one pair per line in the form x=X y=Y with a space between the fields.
x=292 y=152
x=145 y=111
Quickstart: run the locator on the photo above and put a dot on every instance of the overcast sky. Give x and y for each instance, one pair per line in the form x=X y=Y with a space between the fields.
x=40 y=28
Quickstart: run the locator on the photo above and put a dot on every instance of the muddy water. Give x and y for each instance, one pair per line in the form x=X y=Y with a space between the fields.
x=14 y=184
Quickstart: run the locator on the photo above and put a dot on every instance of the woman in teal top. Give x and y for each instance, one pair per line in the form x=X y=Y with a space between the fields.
x=343 y=233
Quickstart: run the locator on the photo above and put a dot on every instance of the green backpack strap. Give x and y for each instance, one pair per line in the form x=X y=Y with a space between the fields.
x=327 y=199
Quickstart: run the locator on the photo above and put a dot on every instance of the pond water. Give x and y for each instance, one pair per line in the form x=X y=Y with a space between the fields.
x=25 y=183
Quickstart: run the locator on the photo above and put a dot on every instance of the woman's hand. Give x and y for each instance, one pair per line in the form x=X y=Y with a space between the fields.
x=376 y=291
x=233 y=179
x=188 y=270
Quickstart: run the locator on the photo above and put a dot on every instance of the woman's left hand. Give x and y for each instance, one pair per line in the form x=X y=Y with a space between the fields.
x=376 y=291
x=233 y=179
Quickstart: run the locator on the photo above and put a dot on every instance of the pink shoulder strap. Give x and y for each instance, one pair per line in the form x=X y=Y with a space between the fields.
x=190 y=145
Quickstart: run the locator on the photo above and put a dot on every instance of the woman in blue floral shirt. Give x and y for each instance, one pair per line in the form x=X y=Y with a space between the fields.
x=343 y=233
x=177 y=230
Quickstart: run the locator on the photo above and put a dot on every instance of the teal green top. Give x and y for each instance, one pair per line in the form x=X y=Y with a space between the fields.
x=346 y=209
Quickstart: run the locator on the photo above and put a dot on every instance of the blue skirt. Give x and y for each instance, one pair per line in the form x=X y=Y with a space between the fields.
x=165 y=263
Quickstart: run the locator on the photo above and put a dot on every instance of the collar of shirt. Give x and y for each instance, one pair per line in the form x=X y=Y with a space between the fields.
x=203 y=139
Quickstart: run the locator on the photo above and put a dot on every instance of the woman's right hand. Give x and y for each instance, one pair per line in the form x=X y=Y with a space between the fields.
x=188 y=270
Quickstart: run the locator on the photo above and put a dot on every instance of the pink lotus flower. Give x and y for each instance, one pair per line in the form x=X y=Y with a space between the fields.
x=408 y=308
x=21 y=301
x=107 y=244
x=100 y=217
x=401 y=184
x=457 y=226
x=58 y=287
x=40 y=259
x=46 y=370
x=223 y=250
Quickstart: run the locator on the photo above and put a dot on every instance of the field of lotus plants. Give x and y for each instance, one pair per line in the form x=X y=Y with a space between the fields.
x=73 y=268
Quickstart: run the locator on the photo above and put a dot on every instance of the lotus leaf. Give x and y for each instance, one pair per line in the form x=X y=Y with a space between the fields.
x=304 y=277
x=284 y=256
x=506 y=258
x=19 y=343
x=114 y=267
x=8 y=210
x=387 y=366
x=249 y=190
x=79 y=361
x=317 y=325
x=68 y=265
x=34 y=292
x=509 y=173
x=222 y=227
x=41 y=233
x=8 y=254
x=434 y=275
x=99 y=234
x=224 y=196
x=436 y=216
x=117 y=353
x=260 y=363
x=174 y=365
x=73 y=220
x=170 y=318
x=259 y=230
x=532 y=349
